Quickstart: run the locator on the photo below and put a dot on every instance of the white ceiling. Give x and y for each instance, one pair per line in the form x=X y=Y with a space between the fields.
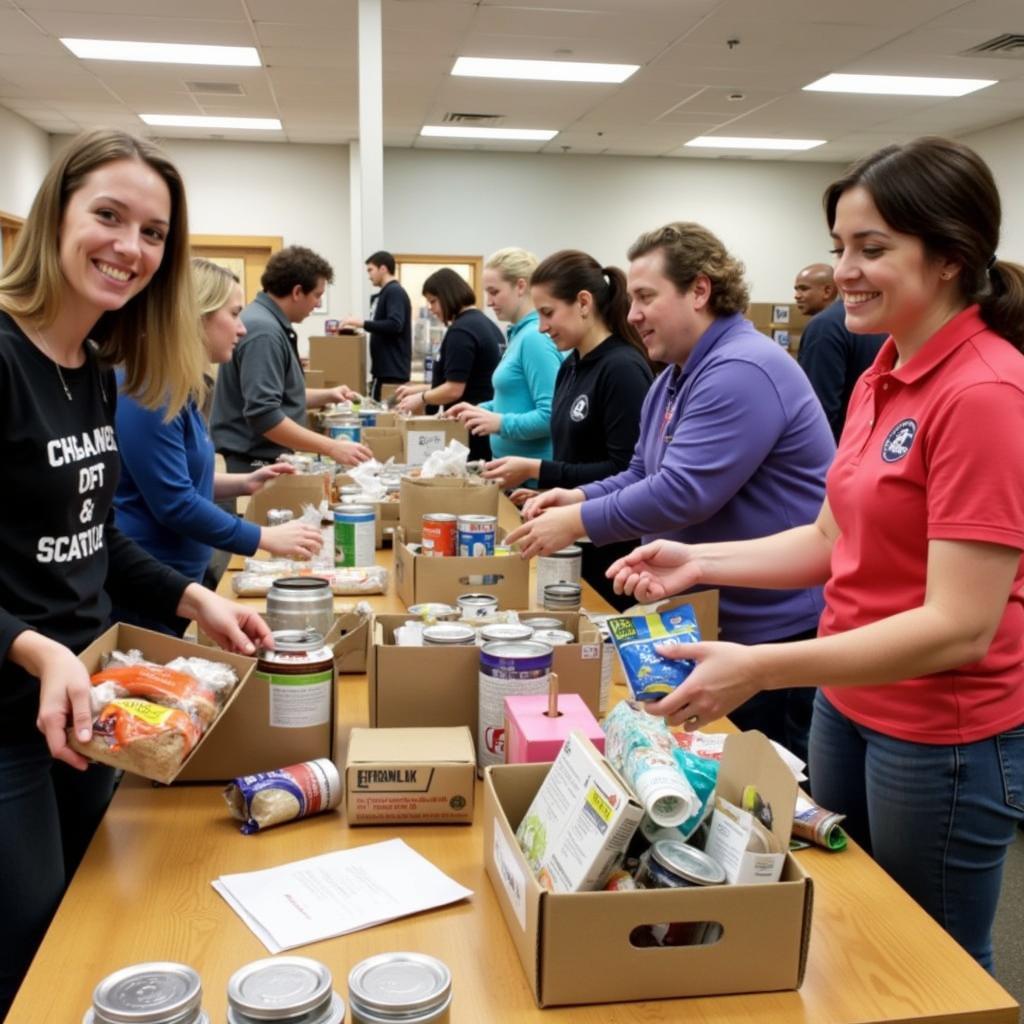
x=690 y=82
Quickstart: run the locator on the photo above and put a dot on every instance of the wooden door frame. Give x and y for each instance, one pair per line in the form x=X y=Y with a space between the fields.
x=476 y=262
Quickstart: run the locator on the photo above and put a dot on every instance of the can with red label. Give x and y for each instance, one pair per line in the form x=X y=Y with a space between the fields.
x=272 y=798
x=440 y=534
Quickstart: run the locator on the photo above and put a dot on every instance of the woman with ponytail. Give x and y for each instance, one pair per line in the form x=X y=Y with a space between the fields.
x=918 y=734
x=599 y=390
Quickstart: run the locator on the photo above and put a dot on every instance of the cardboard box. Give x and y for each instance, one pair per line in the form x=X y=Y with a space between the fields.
x=388 y=391
x=420 y=578
x=426 y=434
x=291 y=492
x=160 y=649
x=315 y=379
x=385 y=443
x=341 y=359
x=410 y=776
x=575 y=947
x=439 y=686
x=349 y=639
x=455 y=495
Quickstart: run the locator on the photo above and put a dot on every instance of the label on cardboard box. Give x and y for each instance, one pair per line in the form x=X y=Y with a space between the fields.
x=422 y=443
x=730 y=836
x=511 y=874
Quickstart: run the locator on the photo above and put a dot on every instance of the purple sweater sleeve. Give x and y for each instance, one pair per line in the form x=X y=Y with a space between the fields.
x=728 y=425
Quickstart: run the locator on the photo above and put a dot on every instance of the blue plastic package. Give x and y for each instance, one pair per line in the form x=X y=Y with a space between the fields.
x=650 y=676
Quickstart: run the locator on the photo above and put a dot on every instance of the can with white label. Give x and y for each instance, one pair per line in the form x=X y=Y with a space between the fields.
x=478 y=607
x=565 y=566
x=355 y=535
x=299 y=673
x=477 y=535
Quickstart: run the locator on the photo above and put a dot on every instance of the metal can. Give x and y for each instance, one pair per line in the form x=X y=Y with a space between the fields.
x=284 y=988
x=555 y=637
x=275 y=797
x=477 y=606
x=433 y=611
x=409 y=987
x=368 y=417
x=355 y=535
x=541 y=622
x=440 y=536
x=299 y=673
x=506 y=670
x=565 y=566
x=347 y=429
x=510 y=631
x=150 y=993
x=300 y=602
x=476 y=535
x=562 y=597
x=279 y=516
x=449 y=634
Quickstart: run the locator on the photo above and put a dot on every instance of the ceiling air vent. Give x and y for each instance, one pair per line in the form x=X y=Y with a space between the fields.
x=1009 y=44
x=215 y=88
x=477 y=120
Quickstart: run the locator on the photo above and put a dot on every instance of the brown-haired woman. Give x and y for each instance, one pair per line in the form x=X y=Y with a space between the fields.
x=918 y=733
x=469 y=353
x=103 y=255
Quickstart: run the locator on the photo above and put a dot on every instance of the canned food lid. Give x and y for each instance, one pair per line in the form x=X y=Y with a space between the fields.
x=275 y=987
x=400 y=981
x=477 y=519
x=687 y=862
x=554 y=636
x=572 y=551
x=449 y=633
x=506 y=631
x=302 y=584
x=563 y=590
x=150 y=993
x=543 y=623
x=439 y=517
x=516 y=649
x=308 y=639
x=476 y=599
x=354 y=510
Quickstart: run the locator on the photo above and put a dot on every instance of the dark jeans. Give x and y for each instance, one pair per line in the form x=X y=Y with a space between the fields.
x=48 y=813
x=782 y=715
x=938 y=819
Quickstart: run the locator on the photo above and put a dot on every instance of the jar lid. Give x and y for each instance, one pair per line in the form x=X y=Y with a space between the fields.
x=515 y=649
x=506 y=631
x=555 y=637
x=302 y=584
x=354 y=510
x=540 y=622
x=278 y=988
x=563 y=591
x=449 y=633
x=403 y=982
x=308 y=639
x=687 y=862
x=572 y=551
x=149 y=993
x=476 y=599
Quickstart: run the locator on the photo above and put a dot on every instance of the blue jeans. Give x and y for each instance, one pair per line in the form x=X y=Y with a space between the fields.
x=938 y=819
x=48 y=813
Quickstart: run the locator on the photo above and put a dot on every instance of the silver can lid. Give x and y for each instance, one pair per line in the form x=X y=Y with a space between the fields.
x=449 y=633
x=404 y=982
x=516 y=649
x=477 y=599
x=506 y=631
x=354 y=510
x=302 y=585
x=563 y=591
x=480 y=520
x=555 y=637
x=688 y=862
x=572 y=551
x=279 y=988
x=308 y=639
x=540 y=622
x=149 y=993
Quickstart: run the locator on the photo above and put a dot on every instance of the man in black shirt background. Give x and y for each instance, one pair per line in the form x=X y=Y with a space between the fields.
x=389 y=326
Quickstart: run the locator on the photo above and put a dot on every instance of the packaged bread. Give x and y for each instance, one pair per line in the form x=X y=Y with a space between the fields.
x=162 y=685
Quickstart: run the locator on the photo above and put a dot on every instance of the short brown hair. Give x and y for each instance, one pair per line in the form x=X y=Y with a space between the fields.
x=690 y=250
x=295 y=265
x=452 y=292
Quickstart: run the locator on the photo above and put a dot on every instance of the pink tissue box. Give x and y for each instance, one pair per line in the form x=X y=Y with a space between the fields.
x=532 y=737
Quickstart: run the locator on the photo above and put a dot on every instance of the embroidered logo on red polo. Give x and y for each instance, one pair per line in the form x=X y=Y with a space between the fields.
x=899 y=440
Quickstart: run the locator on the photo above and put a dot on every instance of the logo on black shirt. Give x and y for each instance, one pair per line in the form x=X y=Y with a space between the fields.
x=580 y=408
x=898 y=441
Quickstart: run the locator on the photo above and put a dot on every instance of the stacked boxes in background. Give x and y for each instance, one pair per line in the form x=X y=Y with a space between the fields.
x=780 y=321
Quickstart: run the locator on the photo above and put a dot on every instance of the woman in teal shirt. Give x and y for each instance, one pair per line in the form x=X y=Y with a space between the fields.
x=518 y=418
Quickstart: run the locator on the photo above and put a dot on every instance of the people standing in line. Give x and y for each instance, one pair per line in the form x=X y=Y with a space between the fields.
x=732 y=443
x=99 y=276
x=918 y=733
x=467 y=358
x=164 y=499
x=599 y=392
x=831 y=355
x=517 y=419
x=261 y=398
x=389 y=325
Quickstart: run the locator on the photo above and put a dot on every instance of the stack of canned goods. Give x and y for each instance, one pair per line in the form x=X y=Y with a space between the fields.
x=565 y=566
x=153 y=993
x=293 y=989
x=409 y=987
x=562 y=597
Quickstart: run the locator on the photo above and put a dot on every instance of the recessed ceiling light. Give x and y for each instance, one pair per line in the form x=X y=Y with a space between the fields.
x=442 y=131
x=163 y=53
x=259 y=124
x=734 y=142
x=542 y=70
x=899 y=85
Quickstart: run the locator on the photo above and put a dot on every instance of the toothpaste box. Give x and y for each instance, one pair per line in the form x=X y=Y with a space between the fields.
x=580 y=822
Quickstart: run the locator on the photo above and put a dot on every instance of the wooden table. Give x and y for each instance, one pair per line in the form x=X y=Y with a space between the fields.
x=143 y=893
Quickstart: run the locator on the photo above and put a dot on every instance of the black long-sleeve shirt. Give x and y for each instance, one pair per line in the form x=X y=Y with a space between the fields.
x=62 y=560
x=595 y=414
x=390 y=332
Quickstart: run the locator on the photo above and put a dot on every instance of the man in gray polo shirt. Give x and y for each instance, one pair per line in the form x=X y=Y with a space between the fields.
x=260 y=402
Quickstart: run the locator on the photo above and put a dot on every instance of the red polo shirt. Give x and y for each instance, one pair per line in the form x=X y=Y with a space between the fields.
x=931 y=451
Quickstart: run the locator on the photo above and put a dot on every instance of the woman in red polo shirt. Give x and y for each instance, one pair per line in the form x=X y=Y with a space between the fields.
x=917 y=733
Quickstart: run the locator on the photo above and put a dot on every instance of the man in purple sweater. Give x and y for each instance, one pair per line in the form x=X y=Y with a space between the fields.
x=733 y=444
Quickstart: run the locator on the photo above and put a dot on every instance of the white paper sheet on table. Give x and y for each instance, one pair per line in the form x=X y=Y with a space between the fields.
x=309 y=900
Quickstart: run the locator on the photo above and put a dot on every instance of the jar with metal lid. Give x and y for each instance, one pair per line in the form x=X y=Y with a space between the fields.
x=477 y=606
x=564 y=566
x=150 y=993
x=449 y=634
x=299 y=673
x=562 y=597
x=408 y=987
x=673 y=864
x=300 y=602
x=512 y=631
x=284 y=990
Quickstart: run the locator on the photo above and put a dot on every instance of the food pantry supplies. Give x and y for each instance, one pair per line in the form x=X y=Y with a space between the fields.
x=564 y=566
x=272 y=798
x=157 y=993
x=580 y=822
x=651 y=676
x=355 y=534
x=258 y=575
x=299 y=674
x=286 y=990
x=411 y=988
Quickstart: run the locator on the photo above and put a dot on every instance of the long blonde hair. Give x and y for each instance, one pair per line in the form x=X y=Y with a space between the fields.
x=155 y=335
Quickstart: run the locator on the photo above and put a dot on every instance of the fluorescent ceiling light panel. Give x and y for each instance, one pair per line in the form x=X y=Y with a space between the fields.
x=734 y=142
x=899 y=85
x=163 y=53
x=259 y=124
x=441 y=131
x=542 y=70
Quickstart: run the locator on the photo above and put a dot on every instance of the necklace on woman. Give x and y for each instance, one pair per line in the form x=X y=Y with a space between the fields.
x=45 y=346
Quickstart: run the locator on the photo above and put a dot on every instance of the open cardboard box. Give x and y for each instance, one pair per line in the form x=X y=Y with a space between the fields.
x=160 y=649
x=291 y=491
x=341 y=358
x=439 y=686
x=423 y=435
x=575 y=947
x=420 y=578
x=385 y=442
x=454 y=495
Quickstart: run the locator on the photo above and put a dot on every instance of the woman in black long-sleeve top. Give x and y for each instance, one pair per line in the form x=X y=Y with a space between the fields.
x=595 y=415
